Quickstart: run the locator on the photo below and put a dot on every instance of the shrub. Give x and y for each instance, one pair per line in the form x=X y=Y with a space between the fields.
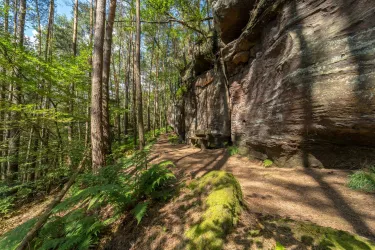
x=363 y=180
x=6 y=205
x=156 y=181
x=267 y=163
x=173 y=139
x=233 y=150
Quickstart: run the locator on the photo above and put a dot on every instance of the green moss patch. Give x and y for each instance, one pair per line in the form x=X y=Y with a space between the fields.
x=289 y=234
x=221 y=209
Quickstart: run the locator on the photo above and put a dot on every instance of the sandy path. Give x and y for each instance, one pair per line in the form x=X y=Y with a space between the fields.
x=319 y=196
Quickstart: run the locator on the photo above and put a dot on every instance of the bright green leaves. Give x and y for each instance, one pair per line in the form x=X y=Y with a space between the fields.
x=140 y=210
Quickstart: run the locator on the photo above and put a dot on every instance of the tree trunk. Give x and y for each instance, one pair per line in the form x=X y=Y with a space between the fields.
x=149 y=90
x=106 y=76
x=3 y=99
x=71 y=86
x=117 y=95
x=87 y=124
x=15 y=132
x=15 y=17
x=156 y=92
x=98 y=159
x=39 y=28
x=138 y=77
x=48 y=49
x=127 y=84
x=134 y=105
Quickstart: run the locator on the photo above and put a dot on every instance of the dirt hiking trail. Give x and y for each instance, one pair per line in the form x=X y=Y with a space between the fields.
x=320 y=196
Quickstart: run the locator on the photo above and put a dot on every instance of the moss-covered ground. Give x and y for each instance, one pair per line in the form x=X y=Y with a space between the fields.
x=222 y=206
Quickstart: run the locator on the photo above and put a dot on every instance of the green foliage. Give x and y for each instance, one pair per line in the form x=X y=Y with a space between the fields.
x=156 y=181
x=6 y=205
x=233 y=150
x=75 y=230
x=221 y=210
x=77 y=222
x=279 y=246
x=140 y=210
x=173 y=139
x=363 y=180
x=181 y=91
x=267 y=163
x=11 y=239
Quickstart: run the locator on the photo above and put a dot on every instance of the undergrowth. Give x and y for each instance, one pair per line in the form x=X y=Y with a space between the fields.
x=76 y=223
x=173 y=139
x=363 y=180
x=233 y=150
x=267 y=163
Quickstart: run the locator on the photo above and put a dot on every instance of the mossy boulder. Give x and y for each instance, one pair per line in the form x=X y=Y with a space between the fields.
x=222 y=207
x=307 y=235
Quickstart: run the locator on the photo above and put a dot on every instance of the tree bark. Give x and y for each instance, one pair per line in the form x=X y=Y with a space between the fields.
x=98 y=159
x=48 y=49
x=138 y=76
x=15 y=132
x=106 y=76
x=149 y=90
x=127 y=84
x=134 y=104
x=39 y=28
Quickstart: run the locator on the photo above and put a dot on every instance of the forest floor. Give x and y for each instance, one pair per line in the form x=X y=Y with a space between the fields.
x=320 y=196
x=272 y=196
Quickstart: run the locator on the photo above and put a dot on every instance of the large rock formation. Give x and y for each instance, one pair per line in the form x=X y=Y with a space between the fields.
x=301 y=77
x=231 y=16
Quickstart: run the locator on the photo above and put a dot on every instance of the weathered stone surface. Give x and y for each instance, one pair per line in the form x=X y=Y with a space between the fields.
x=306 y=96
x=241 y=57
x=205 y=79
x=206 y=109
x=231 y=16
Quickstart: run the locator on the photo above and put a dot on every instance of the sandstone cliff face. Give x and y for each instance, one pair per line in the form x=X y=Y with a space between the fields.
x=302 y=82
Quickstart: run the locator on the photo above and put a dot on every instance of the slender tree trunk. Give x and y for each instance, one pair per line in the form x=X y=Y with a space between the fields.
x=134 y=105
x=117 y=97
x=6 y=16
x=15 y=18
x=15 y=132
x=71 y=86
x=127 y=84
x=48 y=49
x=39 y=28
x=149 y=90
x=156 y=92
x=106 y=76
x=98 y=159
x=3 y=100
x=87 y=125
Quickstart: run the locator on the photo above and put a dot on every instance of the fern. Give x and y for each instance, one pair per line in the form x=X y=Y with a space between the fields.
x=140 y=210
x=120 y=186
x=154 y=180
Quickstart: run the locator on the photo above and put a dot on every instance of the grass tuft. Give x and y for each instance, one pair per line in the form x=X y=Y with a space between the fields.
x=233 y=150
x=363 y=180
